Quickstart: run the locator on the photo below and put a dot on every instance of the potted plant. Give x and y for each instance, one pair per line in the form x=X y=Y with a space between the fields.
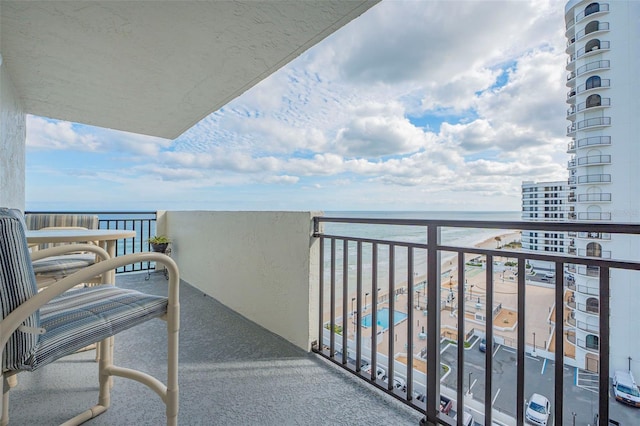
x=159 y=243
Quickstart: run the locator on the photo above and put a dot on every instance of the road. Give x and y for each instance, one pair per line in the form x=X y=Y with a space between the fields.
x=539 y=378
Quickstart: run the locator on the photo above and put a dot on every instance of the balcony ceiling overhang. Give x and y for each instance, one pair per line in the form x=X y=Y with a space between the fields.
x=154 y=67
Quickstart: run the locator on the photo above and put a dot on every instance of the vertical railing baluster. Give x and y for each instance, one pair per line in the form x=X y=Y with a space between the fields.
x=321 y=296
x=392 y=310
x=374 y=313
x=520 y=343
x=559 y=337
x=603 y=347
x=488 y=370
x=410 y=311
x=433 y=323
x=461 y=337
x=345 y=301
x=332 y=295
x=358 y=330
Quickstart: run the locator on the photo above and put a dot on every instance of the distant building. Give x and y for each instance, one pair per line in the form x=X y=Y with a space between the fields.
x=603 y=41
x=545 y=202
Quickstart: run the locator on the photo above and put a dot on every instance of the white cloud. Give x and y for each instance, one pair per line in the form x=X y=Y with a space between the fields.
x=455 y=98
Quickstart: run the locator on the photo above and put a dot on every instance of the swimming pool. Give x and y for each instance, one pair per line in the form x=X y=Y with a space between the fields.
x=383 y=318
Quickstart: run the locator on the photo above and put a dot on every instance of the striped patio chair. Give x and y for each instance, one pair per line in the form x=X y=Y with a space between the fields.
x=39 y=327
x=54 y=268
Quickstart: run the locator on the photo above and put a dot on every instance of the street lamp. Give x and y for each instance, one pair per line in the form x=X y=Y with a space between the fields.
x=534 y=341
x=469 y=390
x=353 y=312
x=418 y=298
x=471 y=292
x=365 y=301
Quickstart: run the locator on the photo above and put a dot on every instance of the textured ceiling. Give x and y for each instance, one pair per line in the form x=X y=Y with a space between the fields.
x=154 y=67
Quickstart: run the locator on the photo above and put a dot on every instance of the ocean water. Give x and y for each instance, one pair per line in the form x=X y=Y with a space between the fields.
x=414 y=234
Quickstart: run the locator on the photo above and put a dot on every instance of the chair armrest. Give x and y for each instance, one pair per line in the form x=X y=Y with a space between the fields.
x=12 y=321
x=70 y=248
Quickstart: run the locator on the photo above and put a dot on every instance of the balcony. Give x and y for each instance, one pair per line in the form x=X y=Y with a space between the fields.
x=593 y=66
x=601 y=26
x=593 y=141
x=603 y=83
x=595 y=178
x=594 y=216
x=601 y=197
x=604 y=45
x=602 y=103
x=273 y=285
x=594 y=9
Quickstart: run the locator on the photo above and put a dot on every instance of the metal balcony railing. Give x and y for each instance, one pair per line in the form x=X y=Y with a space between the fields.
x=144 y=223
x=590 y=10
x=592 y=66
x=347 y=258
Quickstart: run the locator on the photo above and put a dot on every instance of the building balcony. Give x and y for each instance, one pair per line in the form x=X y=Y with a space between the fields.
x=593 y=10
x=593 y=141
x=601 y=197
x=594 y=178
x=603 y=83
x=594 y=235
x=591 y=105
x=587 y=270
x=599 y=216
x=598 y=28
x=590 y=328
x=603 y=46
x=603 y=64
x=605 y=254
x=279 y=312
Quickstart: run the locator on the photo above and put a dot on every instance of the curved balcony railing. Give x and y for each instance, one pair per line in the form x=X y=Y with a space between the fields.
x=592 y=141
x=594 y=235
x=604 y=102
x=587 y=309
x=592 y=66
x=593 y=159
x=571 y=321
x=590 y=328
x=591 y=291
x=604 y=83
x=588 y=123
x=594 y=198
x=601 y=7
x=588 y=271
x=591 y=347
x=604 y=45
x=602 y=26
x=597 y=178
x=604 y=254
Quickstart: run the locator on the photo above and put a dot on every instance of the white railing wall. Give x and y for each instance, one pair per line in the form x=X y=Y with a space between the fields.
x=263 y=265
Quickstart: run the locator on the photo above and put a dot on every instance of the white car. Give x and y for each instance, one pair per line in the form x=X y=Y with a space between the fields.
x=538 y=410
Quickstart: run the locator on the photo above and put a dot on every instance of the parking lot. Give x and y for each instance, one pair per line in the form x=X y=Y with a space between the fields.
x=539 y=378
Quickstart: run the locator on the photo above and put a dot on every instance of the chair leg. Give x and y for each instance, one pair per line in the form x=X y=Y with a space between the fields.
x=4 y=420
x=9 y=380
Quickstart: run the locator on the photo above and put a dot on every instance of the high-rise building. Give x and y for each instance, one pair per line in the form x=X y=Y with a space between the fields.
x=546 y=202
x=603 y=45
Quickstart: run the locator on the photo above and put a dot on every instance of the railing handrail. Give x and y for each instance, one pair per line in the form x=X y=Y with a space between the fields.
x=433 y=247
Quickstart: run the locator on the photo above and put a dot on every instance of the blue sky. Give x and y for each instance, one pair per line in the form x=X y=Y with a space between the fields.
x=415 y=105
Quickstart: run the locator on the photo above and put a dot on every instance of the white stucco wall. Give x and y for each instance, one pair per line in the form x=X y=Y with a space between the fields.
x=12 y=145
x=263 y=265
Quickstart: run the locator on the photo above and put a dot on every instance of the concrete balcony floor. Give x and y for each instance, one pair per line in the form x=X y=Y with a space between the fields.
x=232 y=372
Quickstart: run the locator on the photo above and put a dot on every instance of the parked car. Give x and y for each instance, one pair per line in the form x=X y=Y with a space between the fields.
x=625 y=388
x=550 y=274
x=445 y=403
x=380 y=372
x=482 y=347
x=538 y=410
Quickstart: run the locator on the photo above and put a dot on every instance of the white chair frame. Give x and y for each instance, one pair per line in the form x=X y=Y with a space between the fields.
x=168 y=393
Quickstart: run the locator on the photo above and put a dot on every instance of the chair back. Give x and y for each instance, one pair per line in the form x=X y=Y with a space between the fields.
x=17 y=284
x=37 y=221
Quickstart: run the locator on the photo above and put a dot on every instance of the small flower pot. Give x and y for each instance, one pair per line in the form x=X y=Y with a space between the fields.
x=159 y=248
